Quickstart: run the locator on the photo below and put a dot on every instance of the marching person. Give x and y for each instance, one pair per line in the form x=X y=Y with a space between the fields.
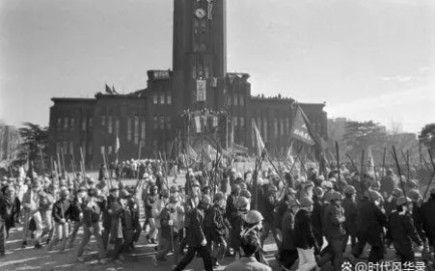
x=91 y=217
x=427 y=212
x=61 y=215
x=402 y=231
x=250 y=245
x=6 y=210
x=31 y=205
x=304 y=237
x=196 y=237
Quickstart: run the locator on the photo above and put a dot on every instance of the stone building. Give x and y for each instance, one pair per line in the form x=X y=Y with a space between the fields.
x=163 y=116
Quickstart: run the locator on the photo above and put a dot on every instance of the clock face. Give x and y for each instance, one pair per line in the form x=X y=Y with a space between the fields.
x=200 y=13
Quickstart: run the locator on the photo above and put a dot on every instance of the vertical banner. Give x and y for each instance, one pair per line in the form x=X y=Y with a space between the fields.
x=201 y=87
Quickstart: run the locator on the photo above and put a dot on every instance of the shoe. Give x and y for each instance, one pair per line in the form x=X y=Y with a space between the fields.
x=48 y=241
x=153 y=241
x=38 y=245
x=24 y=244
x=102 y=261
x=80 y=259
x=132 y=246
x=117 y=261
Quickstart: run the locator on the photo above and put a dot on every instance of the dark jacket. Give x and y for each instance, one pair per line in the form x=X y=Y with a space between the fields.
x=231 y=207
x=281 y=209
x=402 y=230
x=350 y=213
x=91 y=212
x=216 y=221
x=427 y=212
x=333 y=222
x=165 y=216
x=287 y=228
x=303 y=231
x=62 y=209
x=76 y=210
x=196 y=234
x=370 y=222
x=316 y=216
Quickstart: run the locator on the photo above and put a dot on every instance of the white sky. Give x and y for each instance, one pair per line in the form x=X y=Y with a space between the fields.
x=368 y=59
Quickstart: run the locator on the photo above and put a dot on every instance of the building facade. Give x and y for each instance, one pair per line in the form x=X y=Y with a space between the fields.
x=154 y=119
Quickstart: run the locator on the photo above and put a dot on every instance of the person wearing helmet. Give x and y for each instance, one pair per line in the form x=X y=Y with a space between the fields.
x=191 y=202
x=288 y=253
x=158 y=206
x=317 y=216
x=149 y=201
x=390 y=203
x=370 y=223
x=333 y=227
x=6 y=215
x=388 y=183
x=31 y=204
x=427 y=214
x=304 y=241
x=250 y=246
x=243 y=207
x=415 y=210
x=267 y=208
x=196 y=238
x=170 y=230
x=253 y=224
x=232 y=211
x=350 y=213
x=215 y=224
x=402 y=231
x=61 y=214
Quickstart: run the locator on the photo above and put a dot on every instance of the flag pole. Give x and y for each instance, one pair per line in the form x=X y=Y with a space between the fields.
x=400 y=173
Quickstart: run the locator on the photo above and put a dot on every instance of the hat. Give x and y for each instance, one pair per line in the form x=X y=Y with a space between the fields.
x=243 y=186
x=327 y=184
x=113 y=189
x=414 y=195
x=246 y=194
x=306 y=202
x=173 y=189
x=242 y=202
x=336 y=196
x=350 y=190
x=402 y=200
x=195 y=183
x=218 y=196
x=82 y=189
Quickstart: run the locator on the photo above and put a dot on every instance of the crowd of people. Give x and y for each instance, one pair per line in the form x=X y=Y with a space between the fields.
x=221 y=213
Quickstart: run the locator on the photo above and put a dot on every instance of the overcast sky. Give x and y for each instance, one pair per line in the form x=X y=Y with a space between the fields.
x=367 y=59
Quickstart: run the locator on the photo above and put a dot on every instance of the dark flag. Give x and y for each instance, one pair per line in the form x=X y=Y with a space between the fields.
x=108 y=90
x=300 y=128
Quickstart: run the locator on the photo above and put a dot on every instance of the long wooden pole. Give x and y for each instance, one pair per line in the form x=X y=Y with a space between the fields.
x=400 y=173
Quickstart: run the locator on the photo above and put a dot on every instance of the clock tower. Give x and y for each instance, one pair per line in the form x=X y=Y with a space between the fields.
x=199 y=54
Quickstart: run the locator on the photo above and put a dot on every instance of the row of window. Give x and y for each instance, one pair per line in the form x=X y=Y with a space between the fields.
x=236 y=99
x=135 y=129
x=162 y=98
x=162 y=122
x=69 y=148
x=281 y=126
x=68 y=123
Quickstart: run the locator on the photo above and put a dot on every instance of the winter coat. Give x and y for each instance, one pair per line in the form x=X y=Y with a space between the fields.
x=427 y=212
x=303 y=230
x=350 y=213
x=196 y=234
x=401 y=229
x=62 y=209
x=370 y=222
x=287 y=229
x=333 y=222
x=316 y=216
